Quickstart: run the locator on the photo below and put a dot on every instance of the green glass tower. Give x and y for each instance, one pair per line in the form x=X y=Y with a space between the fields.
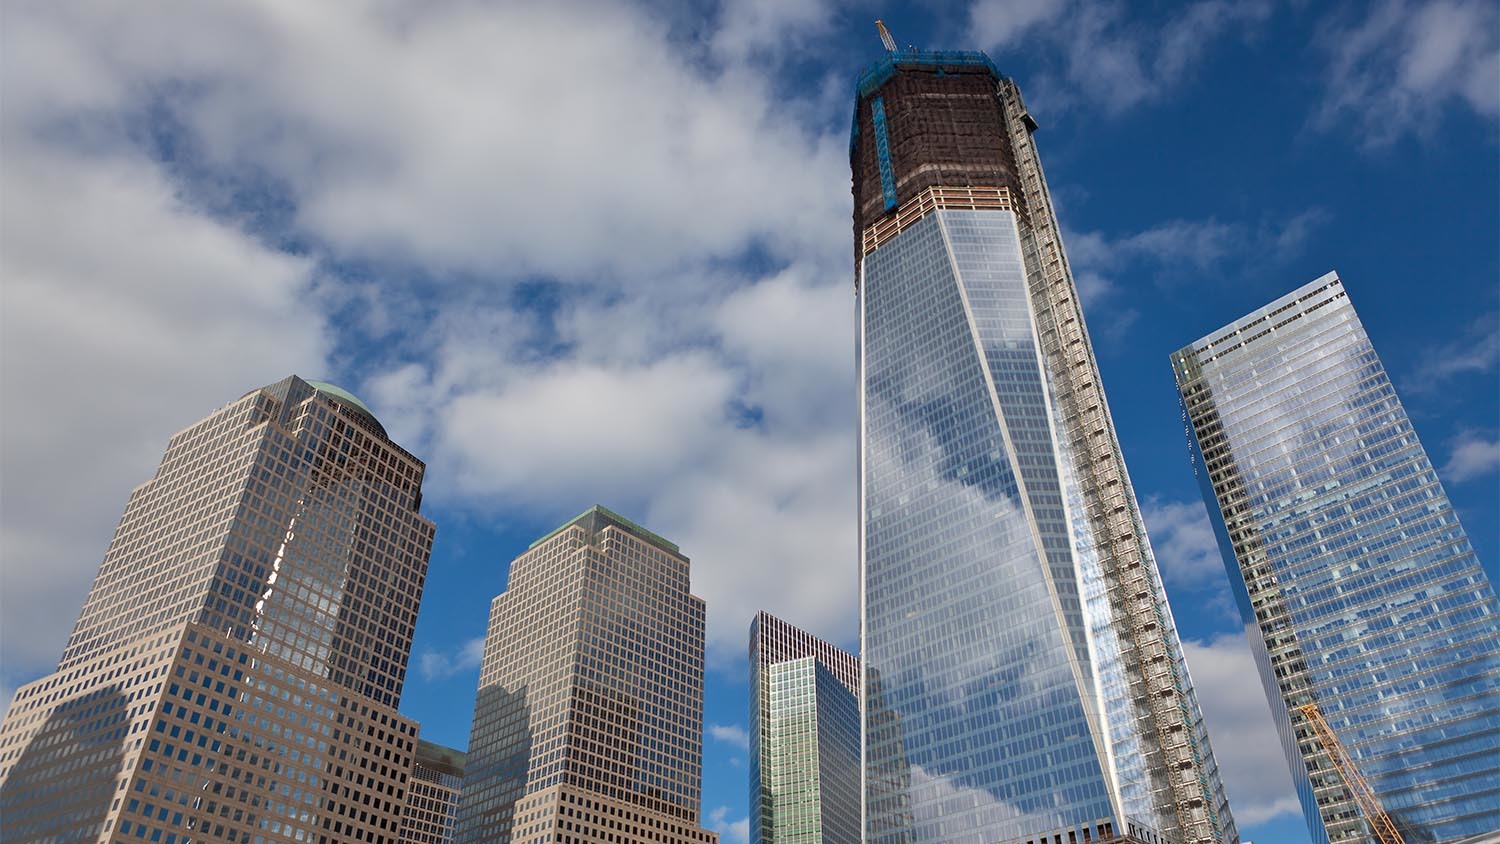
x=804 y=737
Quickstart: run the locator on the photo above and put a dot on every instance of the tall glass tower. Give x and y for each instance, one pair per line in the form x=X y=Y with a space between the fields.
x=1023 y=676
x=588 y=724
x=235 y=672
x=804 y=737
x=1360 y=592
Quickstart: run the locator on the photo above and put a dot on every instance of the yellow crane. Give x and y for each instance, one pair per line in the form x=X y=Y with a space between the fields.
x=1380 y=823
x=885 y=36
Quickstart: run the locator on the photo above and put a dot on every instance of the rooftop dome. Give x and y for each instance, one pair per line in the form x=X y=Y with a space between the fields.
x=347 y=399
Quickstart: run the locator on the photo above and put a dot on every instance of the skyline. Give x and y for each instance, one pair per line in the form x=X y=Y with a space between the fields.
x=207 y=189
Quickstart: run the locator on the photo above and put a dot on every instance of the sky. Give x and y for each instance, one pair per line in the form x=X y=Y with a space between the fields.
x=577 y=252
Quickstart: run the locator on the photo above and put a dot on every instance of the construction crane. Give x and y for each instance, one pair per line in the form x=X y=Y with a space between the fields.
x=1380 y=823
x=885 y=36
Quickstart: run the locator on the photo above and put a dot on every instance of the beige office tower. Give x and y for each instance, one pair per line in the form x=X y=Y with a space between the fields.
x=437 y=776
x=588 y=725
x=235 y=672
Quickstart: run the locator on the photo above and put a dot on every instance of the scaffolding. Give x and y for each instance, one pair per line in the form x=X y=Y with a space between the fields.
x=1381 y=825
x=1135 y=596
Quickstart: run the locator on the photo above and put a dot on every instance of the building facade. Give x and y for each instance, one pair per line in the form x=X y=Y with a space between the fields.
x=236 y=668
x=1350 y=566
x=588 y=725
x=437 y=778
x=1023 y=678
x=804 y=737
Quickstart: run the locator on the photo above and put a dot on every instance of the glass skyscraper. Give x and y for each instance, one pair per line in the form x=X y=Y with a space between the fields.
x=235 y=672
x=588 y=724
x=804 y=737
x=1360 y=592
x=1023 y=678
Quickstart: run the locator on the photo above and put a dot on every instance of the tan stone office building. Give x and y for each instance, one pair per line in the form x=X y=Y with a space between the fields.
x=235 y=671
x=588 y=725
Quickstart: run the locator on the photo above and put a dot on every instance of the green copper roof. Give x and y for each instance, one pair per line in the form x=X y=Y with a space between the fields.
x=342 y=395
x=619 y=520
x=346 y=398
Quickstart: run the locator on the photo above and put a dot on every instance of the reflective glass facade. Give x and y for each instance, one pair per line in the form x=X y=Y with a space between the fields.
x=1023 y=679
x=234 y=673
x=589 y=715
x=1357 y=584
x=804 y=738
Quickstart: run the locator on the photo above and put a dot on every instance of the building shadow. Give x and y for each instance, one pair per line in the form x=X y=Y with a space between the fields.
x=61 y=786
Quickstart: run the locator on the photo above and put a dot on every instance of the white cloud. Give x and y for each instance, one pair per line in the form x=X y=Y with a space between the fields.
x=732 y=734
x=587 y=146
x=1092 y=52
x=439 y=665
x=1254 y=770
x=1397 y=69
x=593 y=151
x=774 y=28
x=551 y=434
x=1183 y=539
x=1174 y=251
x=1473 y=456
x=999 y=23
x=729 y=830
x=1475 y=351
x=125 y=317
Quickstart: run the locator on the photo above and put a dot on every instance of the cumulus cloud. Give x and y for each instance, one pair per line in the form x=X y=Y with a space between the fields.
x=527 y=259
x=1398 y=66
x=1474 y=351
x=587 y=147
x=125 y=317
x=998 y=23
x=1183 y=539
x=1092 y=54
x=1472 y=455
x=732 y=734
x=1255 y=772
x=1175 y=251
x=769 y=28
x=438 y=665
x=719 y=821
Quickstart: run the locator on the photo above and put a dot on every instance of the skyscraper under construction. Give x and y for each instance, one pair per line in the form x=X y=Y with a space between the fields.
x=1023 y=678
x=235 y=672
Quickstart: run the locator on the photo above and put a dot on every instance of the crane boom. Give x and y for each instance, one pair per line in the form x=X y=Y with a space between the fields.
x=885 y=36
x=1380 y=822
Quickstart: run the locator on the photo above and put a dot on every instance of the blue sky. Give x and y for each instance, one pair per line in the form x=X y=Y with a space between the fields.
x=599 y=252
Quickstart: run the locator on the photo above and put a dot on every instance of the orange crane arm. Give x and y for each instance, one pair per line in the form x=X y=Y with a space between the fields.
x=1380 y=822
